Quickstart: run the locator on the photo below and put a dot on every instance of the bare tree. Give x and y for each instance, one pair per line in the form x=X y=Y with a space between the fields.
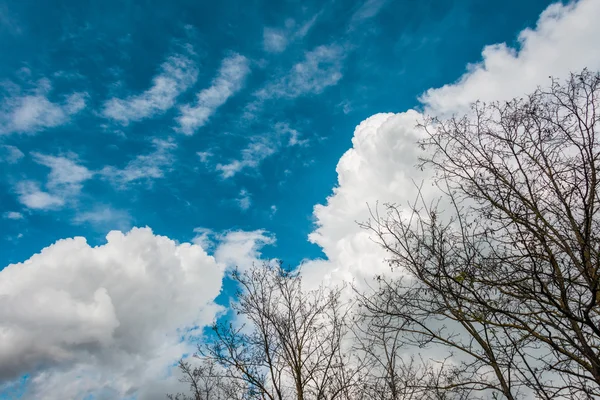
x=390 y=372
x=291 y=345
x=207 y=381
x=503 y=271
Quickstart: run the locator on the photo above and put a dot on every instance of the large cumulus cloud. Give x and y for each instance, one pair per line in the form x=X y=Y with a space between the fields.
x=564 y=40
x=106 y=319
x=381 y=166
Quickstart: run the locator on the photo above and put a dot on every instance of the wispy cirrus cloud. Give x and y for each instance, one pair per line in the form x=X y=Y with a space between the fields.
x=32 y=196
x=65 y=174
x=262 y=147
x=204 y=156
x=283 y=130
x=64 y=183
x=256 y=151
x=105 y=217
x=33 y=111
x=177 y=75
x=10 y=154
x=244 y=201
x=144 y=166
x=229 y=80
x=276 y=40
x=320 y=68
x=14 y=215
x=369 y=9
x=8 y=21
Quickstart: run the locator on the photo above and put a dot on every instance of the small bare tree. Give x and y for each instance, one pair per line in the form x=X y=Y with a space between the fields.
x=291 y=345
x=505 y=276
x=207 y=381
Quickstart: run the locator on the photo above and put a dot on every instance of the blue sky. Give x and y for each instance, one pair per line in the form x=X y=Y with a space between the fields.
x=220 y=123
x=114 y=49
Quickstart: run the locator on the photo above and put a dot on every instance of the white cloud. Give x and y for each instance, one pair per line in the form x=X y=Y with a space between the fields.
x=242 y=248
x=307 y=26
x=144 y=166
x=274 y=40
x=229 y=80
x=66 y=176
x=13 y=215
x=177 y=75
x=262 y=147
x=380 y=167
x=563 y=41
x=105 y=217
x=284 y=129
x=381 y=164
x=10 y=154
x=31 y=196
x=203 y=238
x=64 y=183
x=258 y=149
x=9 y=22
x=204 y=156
x=244 y=201
x=369 y=9
x=235 y=248
x=83 y=320
x=321 y=68
x=34 y=112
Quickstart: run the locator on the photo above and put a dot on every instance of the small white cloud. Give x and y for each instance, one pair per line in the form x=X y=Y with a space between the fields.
x=144 y=166
x=369 y=9
x=204 y=156
x=34 y=112
x=13 y=215
x=283 y=128
x=65 y=175
x=306 y=27
x=241 y=248
x=10 y=154
x=274 y=40
x=252 y=156
x=229 y=80
x=321 y=68
x=177 y=75
x=262 y=147
x=203 y=238
x=64 y=183
x=33 y=197
x=75 y=103
x=244 y=201
x=346 y=106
